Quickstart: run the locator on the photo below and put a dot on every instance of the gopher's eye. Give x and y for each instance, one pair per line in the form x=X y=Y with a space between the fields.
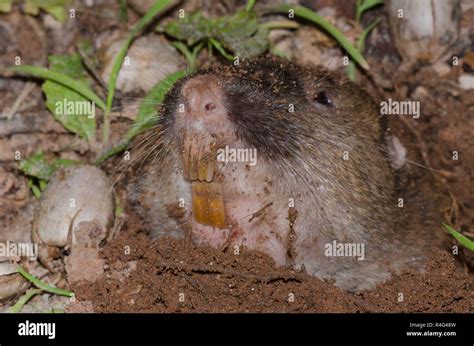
x=323 y=98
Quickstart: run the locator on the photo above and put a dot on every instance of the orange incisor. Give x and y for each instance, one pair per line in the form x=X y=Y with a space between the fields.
x=208 y=204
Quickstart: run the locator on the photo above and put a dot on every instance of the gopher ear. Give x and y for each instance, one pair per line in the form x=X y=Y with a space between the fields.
x=396 y=151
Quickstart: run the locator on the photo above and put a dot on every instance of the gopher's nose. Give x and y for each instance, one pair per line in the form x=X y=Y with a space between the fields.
x=202 y=95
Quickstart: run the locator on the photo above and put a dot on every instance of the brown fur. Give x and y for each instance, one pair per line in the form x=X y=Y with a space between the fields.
x=301 y=153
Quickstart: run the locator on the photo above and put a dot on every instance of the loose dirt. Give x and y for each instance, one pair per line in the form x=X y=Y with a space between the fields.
x=175 y=276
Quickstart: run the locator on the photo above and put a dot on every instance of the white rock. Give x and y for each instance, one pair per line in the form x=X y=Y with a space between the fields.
x=150 y=59
x=466 y=81
x=427 y=29
x=74 y=195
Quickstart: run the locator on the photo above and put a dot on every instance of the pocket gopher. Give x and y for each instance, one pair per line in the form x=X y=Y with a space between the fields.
x=288 y=160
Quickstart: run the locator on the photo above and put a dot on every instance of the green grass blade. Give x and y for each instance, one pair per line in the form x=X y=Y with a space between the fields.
x=35 y=189
x=62 y=79
x=191 y=56
x=365 y=5
x=360 y=44
x=307 y=14
x=24 y=299
x=44 y=286
x=351 y=71
x=159 y=6
x=184 y=50
x=279 y=24
x=221 y=49
x=147 y=114
x=463 y=240
x=250 y=4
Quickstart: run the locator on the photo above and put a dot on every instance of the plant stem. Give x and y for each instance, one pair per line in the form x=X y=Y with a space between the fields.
x=146 y=113
x=360 y=44
x=62 y=79
x=250 y=4
x=280 y=24
x=159 y=6
x=221 y=49
x=312 y=16
x=24 y=299
x=43 y=286
x=190 y=56
x=463 y=240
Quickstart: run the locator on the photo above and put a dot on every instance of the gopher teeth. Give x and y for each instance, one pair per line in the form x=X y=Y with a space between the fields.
x=208 y=204
x=199 y=163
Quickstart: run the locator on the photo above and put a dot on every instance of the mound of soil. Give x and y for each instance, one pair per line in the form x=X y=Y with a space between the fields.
x=176 y=276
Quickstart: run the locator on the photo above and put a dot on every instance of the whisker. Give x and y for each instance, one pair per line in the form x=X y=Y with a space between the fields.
x=141 y=152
